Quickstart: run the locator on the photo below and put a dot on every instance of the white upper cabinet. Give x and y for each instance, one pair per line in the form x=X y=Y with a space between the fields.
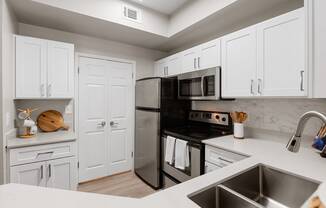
x=173 y=65
x=200 y=57
x=189 y=60
x=160 y=67
x=30 y=67
x=209 y=54
x=60 y=70
x=281 y=55
x=239 y=59
x=169 y=66
x=267 y=59
x=44 y=69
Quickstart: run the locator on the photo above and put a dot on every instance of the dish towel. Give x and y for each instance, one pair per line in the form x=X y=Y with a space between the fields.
x=181 y=154
x=169 y=150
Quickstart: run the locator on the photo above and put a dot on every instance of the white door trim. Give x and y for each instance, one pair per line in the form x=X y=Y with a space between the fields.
x=76 y=103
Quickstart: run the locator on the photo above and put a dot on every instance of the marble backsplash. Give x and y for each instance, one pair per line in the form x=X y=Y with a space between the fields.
x=279 y=115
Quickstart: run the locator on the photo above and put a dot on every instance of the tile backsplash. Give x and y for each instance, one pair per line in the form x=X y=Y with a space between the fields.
x=65 y=107
x=281 y=115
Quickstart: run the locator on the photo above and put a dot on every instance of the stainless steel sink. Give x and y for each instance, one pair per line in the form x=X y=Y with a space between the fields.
x=222 y=197
x=260 y=186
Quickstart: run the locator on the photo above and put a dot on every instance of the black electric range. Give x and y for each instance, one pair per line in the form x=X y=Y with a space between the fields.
x=201 y=125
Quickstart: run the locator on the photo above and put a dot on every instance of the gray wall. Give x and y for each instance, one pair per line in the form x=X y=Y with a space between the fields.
x=279 y=115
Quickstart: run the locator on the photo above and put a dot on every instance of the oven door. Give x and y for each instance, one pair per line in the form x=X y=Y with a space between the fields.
x=196 y=168
x=200 y=85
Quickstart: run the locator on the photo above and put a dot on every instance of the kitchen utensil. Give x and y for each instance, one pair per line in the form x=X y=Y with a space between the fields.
x=50 y=121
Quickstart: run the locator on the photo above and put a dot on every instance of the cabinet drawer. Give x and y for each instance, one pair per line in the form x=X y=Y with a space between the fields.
x=221 y=157
x=41 y=153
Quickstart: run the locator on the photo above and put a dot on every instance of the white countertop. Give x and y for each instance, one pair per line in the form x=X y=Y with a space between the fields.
x=306 y=163
x=41 y=138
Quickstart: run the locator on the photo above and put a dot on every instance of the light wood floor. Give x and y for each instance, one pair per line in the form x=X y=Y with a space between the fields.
x=125 y=184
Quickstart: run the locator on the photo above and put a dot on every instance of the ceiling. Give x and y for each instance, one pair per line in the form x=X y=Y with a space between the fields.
x=167 y=7
x=233 y=17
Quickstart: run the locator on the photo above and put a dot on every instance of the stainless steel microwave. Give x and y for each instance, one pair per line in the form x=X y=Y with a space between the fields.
x=200 y=85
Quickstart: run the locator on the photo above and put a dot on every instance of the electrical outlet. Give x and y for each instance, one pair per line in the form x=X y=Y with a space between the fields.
x=69 y=109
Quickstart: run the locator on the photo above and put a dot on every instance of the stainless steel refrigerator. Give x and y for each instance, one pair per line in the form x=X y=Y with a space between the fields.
x=157 y=107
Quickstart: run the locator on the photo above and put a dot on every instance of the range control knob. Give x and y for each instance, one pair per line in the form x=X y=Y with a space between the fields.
x=217 y=117
x=223 y=119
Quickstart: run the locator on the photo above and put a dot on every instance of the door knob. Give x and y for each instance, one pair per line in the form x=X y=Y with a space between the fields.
x=102 y=124
x=112 y=123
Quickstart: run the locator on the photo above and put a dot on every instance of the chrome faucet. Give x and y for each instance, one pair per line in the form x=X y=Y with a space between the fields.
x=294 y=143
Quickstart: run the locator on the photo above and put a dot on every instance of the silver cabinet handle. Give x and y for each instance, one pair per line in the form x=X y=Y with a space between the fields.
x=260 y=86
x=195 y=61
x=198 y=60
x=112 y=123
x=50 y=90
x=252 y=87
x=302 y=80
x=167 y=71
x=42 y=90
x=50 y=171
x=102 y=124
x=42 y=172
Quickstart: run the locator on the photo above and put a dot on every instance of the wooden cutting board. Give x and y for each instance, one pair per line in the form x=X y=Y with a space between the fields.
x=50 y=121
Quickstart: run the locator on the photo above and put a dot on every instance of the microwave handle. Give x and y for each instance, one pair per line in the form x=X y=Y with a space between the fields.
x=202 y=85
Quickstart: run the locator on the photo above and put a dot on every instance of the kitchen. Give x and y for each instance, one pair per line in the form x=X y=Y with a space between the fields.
x=157 y=103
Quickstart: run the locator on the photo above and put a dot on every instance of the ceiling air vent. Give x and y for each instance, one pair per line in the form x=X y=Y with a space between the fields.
x=131 y=13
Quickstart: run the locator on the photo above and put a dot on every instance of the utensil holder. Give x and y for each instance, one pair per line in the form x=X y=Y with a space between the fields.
x=238 y=132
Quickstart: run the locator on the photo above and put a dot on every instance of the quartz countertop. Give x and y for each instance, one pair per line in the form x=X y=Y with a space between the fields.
x=306 y=163
x=42 y=138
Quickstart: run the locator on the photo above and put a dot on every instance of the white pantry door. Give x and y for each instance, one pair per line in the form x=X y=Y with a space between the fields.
x=105 y=118
x=93 y=134
x=120 y=111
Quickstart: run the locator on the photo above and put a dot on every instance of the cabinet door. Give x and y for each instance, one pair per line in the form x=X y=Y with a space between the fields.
x=174 y=65
x=30 y=174
x=61 y=173
x=239 y=63
x=162 y=68
x=60 y=70
x=30 y=67
x=210 y=54
x=189 y=60
x=281 y=55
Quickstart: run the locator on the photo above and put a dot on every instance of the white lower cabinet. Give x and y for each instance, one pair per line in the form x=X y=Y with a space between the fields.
x=216 y=158
x=61 y=173
x=47 y=168
x=29 y=174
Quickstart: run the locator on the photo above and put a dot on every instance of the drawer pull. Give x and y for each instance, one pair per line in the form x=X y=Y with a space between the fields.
x=50 y=171
x=225 y=160
x=42 y=172
x=44 y=153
